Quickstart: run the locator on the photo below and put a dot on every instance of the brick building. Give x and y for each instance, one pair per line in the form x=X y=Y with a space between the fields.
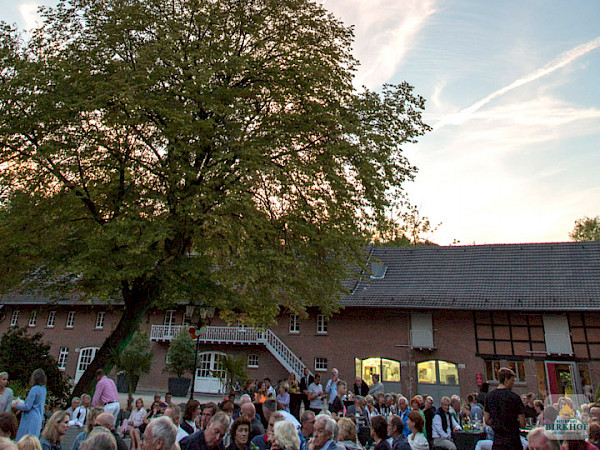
x=433 y=320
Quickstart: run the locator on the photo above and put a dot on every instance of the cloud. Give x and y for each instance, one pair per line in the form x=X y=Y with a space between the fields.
x=563 y=60
x=29 y=13
x=385 y=31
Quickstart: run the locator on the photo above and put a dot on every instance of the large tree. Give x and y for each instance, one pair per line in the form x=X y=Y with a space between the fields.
x=586 y=229
x=156 y=151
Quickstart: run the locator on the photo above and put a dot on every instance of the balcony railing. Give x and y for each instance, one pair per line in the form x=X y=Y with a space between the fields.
x=161 y=333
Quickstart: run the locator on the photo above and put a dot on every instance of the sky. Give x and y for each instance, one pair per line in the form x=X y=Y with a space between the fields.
x=513 y=96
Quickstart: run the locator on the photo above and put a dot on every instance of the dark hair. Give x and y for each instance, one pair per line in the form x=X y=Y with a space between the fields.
x=242 y=420
x=9 y=424
x=100 y=373
x=270 y=405
x=227 y=406
x=485 y=387
x=471 y=398
x=168 y=393
x=38 y=377
x=539 y=403
x=267 y=379
x=397 y=422
x=190 y=407
x=211 y=405
x=379 y=426
x=505 y=374
x=417 y=419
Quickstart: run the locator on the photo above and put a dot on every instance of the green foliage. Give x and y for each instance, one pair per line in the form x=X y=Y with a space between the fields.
x=23 y=353
x=406 y=226
x=180 y=355
x=232 y=370
x=597 y=394
x=136 y=359
x=586 y=229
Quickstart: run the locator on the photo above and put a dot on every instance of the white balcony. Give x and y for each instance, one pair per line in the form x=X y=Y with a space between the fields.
x=163 y=333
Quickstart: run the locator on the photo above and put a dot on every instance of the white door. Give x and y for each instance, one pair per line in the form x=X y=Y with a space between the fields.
x=86 y=356
x=208 y=373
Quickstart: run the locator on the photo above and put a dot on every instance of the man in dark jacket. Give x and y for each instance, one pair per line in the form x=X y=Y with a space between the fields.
x=209 y=439
x=305 y=382
x=361 y=387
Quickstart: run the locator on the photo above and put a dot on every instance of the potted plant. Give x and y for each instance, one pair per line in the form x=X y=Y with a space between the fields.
x=134 y=361
x=180 y=359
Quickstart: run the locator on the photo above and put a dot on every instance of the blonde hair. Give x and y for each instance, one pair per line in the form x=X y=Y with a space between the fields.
x=50 y=432
x=346 y=430
x=29 y=442
x=91 y=417
x=100 y=439
x=286 y=436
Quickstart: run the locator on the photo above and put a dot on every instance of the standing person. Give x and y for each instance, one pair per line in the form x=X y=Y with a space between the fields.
x=505 y=412
x=377 y=387
x=360 y=387
x=55 y=429
x=306 y=380
x=315 y=395
x=6 y=393
x=33 y=408
x=284 y=397
x=331 y=387
x=337 y=407
x=270 y=390
x=106 y=394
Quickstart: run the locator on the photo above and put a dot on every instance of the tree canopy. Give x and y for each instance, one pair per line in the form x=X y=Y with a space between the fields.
x=203 y=151
x=586 y=229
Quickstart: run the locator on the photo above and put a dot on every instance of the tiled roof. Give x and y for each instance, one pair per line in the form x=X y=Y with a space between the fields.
x=65 y=300
x=549 y=276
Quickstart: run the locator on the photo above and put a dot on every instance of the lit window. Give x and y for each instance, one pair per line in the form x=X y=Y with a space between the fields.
x=321 y=324
x=294 y=324
x=62 y=358
x=519 y=369
x=448 y=373
x=321 y=364
x=100 y=320
x=437 y=372
x=33 y=318
x=253 y=361
x=14 y=320
x=70 y=319
x=491 y=370
x=51 y=319
x=426 y=372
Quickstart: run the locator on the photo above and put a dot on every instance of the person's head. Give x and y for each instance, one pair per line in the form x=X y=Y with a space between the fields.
x=395 y=426
x=317 y=379
x=248 y=410
x=139 y=403
x=346 y=430
x=342 y=388
x=306 y=371
x=56 y=427
x=506 y=377
x=3 y=379
x=324 y=430
x=267 y=383
x=524 y=399
x=402 y=403
x=157 y=398
x=245 y=398
x=38 y=378
x=8 y=425
x=240 y=431
x=284 y=387
x=539 y=406
x=415 y=402
x=269 y=406
x=594 y=433
x=471 y=399
x=445 y=404
x=275 y=417
x=415 y=421
x=335 y=373
x=106 y=420
x=285 y=436
x=86 y=400
x=91 y=418
x=100 y=439
x=358 y=381
x=375 y=378
x=249 y=384
x=99 y=374
x=541 y=439
x=168 y=398
x=192 y=410
x=307 y=422
x=485 y=387
x=209 y=410
x=160 y=434
x=227 y=408
x=174 y=412
x=428 y=402
x=7 y=444
x=216 y=429
x=29 y=442
x=358 y=402
x=75 y=401
x=378 y=428
x=291 y=377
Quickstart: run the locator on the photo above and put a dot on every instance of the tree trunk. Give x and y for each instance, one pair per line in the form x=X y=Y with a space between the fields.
x=137 y=301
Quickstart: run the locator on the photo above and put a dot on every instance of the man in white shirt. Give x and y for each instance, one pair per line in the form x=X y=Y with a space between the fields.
x=315 y=395
x=442 y=426
x=174 y=412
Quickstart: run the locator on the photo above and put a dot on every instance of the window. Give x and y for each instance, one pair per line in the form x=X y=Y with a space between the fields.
x=169 y=318
x=519 y=369
x=14 y=320
x=437 y=372
x=421 y=330
x=321 y=324
x=321 y=364
x=33 y=318
x=387 y=369
x=62 y=358
x=187 y=320
x=100 y=320
x=491 y=369
x=70 y=319
x=294 y=325
x=51 y=319
x=557 y=335
x=253 y=361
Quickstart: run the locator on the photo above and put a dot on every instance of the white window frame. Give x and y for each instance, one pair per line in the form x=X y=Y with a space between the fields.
x=320 y=364
x=51 y=319
x=321 y=324
x=294 y=324
x=100 y=320
x=32 y=319
x=169 y=320
x=557 y=335
x=253 y=361
x=14 y=320
x=62 y=358
x=70 y=323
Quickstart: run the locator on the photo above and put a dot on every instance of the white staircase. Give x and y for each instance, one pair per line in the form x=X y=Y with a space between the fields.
x=238 y=335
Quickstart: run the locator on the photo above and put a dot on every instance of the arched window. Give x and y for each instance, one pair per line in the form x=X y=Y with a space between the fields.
x=388 y=369
x=437 y=372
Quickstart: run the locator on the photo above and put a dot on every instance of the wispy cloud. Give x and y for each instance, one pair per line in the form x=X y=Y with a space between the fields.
x=563 y=60
x=385 y=32
x=29 y=13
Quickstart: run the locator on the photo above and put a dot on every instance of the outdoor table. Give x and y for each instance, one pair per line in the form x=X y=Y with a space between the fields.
x=295 y=402
x=467 y=440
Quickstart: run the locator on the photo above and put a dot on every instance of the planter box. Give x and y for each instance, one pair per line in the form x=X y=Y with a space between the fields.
x=179 y=386
x=123 y=383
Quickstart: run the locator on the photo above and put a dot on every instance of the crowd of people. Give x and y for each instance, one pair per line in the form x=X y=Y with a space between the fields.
x=334 y=416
